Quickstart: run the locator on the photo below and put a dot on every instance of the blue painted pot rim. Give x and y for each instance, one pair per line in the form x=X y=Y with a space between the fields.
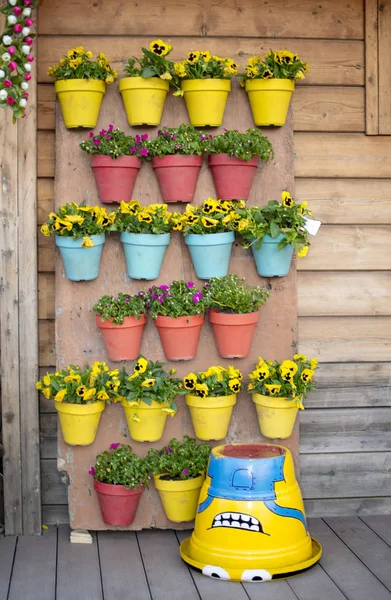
x=209 y=239
x=145 y=239
x=69 y=242
x=269 y=240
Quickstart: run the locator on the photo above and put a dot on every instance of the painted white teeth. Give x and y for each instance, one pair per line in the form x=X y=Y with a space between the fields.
x=217 y=524
x=226 y=515
x=236 y=524
x=254 y=521
x=245 y=517
x=218 y=518
x=254 y=528
x=235 y=516
x=226 y=523
x=245 y=526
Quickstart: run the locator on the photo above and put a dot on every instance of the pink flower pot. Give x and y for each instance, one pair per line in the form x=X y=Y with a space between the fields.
x=115 y=178
x=180 y=336
x=117 y=504
x=234 y=333
x=177 y=176
x=122 y=342
x=232 y=176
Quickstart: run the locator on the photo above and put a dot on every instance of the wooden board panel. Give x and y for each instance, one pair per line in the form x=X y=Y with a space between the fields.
x=46 y=153
x=346 y=339
x=342 y=155
x=326 y=294
x=55 y=514
x=48 y=430
x=350 y=397
x=380 y=524
x=366 y=545
x=47 y=357
x=347 y=201
x=331 y=62
x=371 y=67
x=54 y=488
x=337 y=248
x=45 y=190
x=307 y=586
x=355 y=582
x=257 y=19
x=7 y=551
x=46 y=308
x=348 y=506
x=353 y=374
x=345 y=430
x=35 y=566
x=346 y=475
x=46 y=106
x=384 y=49
x=46 y=254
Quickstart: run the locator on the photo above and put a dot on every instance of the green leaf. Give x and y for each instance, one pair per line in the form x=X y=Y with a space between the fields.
x=274 y=229
x=148 y=72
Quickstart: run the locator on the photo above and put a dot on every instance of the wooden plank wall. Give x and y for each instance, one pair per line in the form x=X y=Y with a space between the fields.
x=344 y=284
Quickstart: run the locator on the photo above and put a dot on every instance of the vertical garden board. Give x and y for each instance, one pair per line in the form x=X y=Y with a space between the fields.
x=79 y=341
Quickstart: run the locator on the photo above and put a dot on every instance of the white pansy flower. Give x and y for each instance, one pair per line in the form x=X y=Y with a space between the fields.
x=12 y=2
x=3 y=94
x=2 y=74
x=7 y=40
x=24 y=85
x=6 y=57
x=22 y=102
x=26 y=31
x=26 y=49
x=11 y=19
x=27 y=67
x=26 y=12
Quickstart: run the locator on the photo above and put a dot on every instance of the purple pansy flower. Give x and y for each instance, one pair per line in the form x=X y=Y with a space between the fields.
x=108 y=137
x=91 y=134
x=203 y=137
x=96 y=142
x=159 y=132
x=190 y=284
x=174 y=137
x=197 y=297
x=161 y=299
x=132 y=150
x=138 y=140
x=144 y=152
x=168 y=451
x=211 y=137
x=91 y=471
x=144 y=137
x=166 y=133
x=185 y=471
x=102 y=132
x=114 y=446
x=164 y=287
x=110 y=129
x=127 y=299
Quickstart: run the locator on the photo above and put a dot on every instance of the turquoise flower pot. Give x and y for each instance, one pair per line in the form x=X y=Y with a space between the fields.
x=210 y=253
x=81 y=264
x=271 y=261
x=144 y=253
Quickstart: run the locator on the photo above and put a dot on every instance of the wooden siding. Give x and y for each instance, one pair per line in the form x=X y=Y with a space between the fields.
x=344 y=283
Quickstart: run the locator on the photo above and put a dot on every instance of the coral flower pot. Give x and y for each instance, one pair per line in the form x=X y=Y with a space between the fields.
x=272 y=261
x=211 y=416
x=80 y=101
x=118 y=505
x=180 y=336
x=122 y=342
x=233 y=333
x=115 y=178
x=177 y=176
x=145 y=422
x=79 y=422
x=210 y=253
x=232 y=176
x=143 y=99
x=81 y=264
x=269 y=100
x=179 y=498
x=205 y=100
x=144 y=253
x=276 y=416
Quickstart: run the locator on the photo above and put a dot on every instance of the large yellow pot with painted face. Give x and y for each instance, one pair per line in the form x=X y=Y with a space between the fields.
x=211 y=416
x=276 y=416
x=179 y=498
x=145 y=421
x=205 y=100
x=269 y=100
x=80 y=101
x=250 y=523
x=79 y=422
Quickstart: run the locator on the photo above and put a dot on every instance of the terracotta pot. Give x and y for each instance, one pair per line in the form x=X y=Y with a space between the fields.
x=232 y=176
x=117 y=504
x=233 y=333
x=180 y=336
x=115 y=178
x=177 y=176
x=122 y=342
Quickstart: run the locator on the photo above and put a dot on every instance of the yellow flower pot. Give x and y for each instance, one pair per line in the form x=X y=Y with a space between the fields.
x=79 y=422
x=80 y=101
x=179 y=498
x=145 y=422
x=276 y=416
x=143 y=99
x=269 y=100
x=205 y=100
x=211 y=416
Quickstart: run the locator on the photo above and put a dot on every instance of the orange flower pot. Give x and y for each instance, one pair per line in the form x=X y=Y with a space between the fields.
x=180 y=336
x=122 y=342
x=233 y=333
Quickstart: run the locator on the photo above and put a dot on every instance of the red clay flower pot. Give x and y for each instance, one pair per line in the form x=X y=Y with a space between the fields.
x=115 y=178
x=232 y=176
x=122 y=342
x=117 y=504
x=180 y=336
x=233 y=333
x=177 y=176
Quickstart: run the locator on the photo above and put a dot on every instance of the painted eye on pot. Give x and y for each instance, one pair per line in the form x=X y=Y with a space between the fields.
x=216 y=572
x=256 y=575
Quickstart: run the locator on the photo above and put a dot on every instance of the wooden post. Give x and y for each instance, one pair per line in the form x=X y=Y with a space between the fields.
x=371 y=68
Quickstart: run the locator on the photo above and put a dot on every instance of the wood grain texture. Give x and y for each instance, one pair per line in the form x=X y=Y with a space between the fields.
x=347 y=201
x=55 y=514
x=46 y=302
x=375 y=396
x=346 y=339
x=332 y=62
x=342 y=155
x=384 y=49
x=371 y=68
x=54 y=483
x=380 y=525
x=256 y=19
x=45 y=192
x=46 y=344
x=342 y=293
x=353 y=374
x=46 y=106
x=46 y=154
x=46 y=254
x=315 y=579
x=334 y=507
x=7 y=551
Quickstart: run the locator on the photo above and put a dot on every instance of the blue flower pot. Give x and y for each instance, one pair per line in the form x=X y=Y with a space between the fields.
x=144 y=253
x=81 y=264
x=210 y=253
x=271 y=261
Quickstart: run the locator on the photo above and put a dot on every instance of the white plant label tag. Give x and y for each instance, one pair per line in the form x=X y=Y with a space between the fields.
x=312 y=226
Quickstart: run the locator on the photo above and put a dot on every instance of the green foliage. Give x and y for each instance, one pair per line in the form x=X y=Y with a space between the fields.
x=201 y=64
x=134 y=218
x=231 y=294
x=77 y=64
x=179 y=299
x=116 y=308
x=184 y=140
x=245 y=145
x=114 y=143
x=276 y=65
x=179 y=460
x=214 y=382
x=77 y=221
x=291 y=379
x=119 y=466
x=153 y=62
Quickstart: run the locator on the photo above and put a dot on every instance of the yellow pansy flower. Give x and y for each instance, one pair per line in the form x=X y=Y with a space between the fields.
x=273 y=388
x=170 y=411
x=189 y=382
x=46 y=393
x=254 y=61
x=144 y=217
x=167 y=76
x=314 y=363
x=109 y=79
x=148 y=383
x=135 y=418
x=102 y=395
x=287 y=199
x=307 y=375
x=89 y=54
x=89 y=394
x=208 y=222
x=72 y=378
x=59 y=397
x=178 y=93
x=160 y=48
x=234 y=385
x=45 y=230
x=303 y=251
x=80 y=49
x=75 y=219
x=39 y=385
x=206 y=55
x=46 y=379
x=141 y=365
x=202 y=390
x=87 y=242
x=180 y=69
x=243 y=224
x=301 y=357
x=290 y=366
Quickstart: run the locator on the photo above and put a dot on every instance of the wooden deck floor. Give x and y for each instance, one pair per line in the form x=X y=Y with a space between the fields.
x=356 y=564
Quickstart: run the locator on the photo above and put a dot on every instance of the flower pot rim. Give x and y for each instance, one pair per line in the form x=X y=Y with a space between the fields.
x=179 y=322
x=180 y=159
x=69 y=242
x=136 y=83
x=221 y=238
x=155 y=405
x=216 y=316
x=224 y=159
x=112 y=489
x=82 y=85
x=130 y=162
x=80 y=409
x=206 y=84
x=274 y=402
x=285 y=85
x=129 y=322
x=178 y=485
x=157 y=238
x=210 y=402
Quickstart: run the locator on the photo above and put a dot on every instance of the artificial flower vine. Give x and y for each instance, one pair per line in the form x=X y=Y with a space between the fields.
x=15 y=55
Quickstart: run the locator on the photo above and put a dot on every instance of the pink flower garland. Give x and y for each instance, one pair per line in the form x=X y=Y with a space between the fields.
x=15 y=55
